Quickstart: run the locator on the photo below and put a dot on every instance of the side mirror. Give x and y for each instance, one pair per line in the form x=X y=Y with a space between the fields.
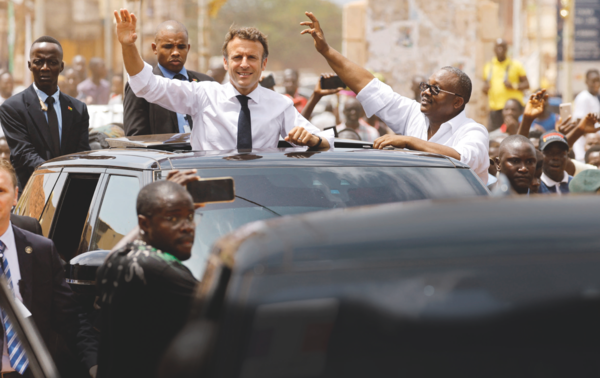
x=81 y=271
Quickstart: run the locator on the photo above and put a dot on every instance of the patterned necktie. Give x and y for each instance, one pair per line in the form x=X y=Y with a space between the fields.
x=244 y=139
x=53 y=124
x=16 y=352
x=188 y=118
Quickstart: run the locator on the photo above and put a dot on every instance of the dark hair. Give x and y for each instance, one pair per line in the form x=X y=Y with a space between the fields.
x=591 y=71
x=463 y=82
x=519 y=105
x=249 y=34
x=515 y=140
x=8 y=167
x=535 y=133
x=590 y=151
x=48 y=39
x=152 y=196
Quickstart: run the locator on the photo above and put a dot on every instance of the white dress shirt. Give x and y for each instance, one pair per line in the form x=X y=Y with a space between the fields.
x=215 y=111
x=403 y=115
x=43 y=96
x=584 y=103
x=8 y=238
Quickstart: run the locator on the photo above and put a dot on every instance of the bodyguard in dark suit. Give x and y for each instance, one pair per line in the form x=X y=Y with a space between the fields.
x=26 y=223
x=41 y=123
x=142 y=118
x=31 y=265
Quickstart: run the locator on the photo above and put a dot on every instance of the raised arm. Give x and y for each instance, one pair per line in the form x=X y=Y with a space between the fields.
x=586 y=126
x=126 y=23
x=533 y=109
x=317 y=95
x=353 y=75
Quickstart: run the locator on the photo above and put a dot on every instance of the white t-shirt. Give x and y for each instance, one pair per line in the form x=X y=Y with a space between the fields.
x=584 y=103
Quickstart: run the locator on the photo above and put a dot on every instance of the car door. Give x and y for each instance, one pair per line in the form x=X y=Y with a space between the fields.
x=67 y=209
x=114 y=213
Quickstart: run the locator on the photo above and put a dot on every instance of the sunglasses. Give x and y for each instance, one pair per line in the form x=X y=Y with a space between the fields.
x=434 y=89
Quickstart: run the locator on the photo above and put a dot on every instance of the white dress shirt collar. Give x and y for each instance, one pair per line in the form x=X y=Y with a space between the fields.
x=231 y=91
x=458 y=121
x=43 y=96
x=549 y=182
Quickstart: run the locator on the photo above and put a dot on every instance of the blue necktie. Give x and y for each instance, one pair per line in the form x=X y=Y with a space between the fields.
x=244 y=139
x=16 y=352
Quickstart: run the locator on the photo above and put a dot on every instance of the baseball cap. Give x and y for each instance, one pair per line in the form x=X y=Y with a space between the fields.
x=552 y=137
x=587 y=181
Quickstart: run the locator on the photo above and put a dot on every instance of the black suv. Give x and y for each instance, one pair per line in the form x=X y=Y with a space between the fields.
x=86 y=201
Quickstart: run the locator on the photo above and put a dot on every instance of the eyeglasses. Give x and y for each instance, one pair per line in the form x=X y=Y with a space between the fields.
x=177 y=221
x=434 y=89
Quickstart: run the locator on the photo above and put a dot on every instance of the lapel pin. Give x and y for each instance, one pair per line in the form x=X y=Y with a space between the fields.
x=195 y=79
x=70 y=108
x=28 y=249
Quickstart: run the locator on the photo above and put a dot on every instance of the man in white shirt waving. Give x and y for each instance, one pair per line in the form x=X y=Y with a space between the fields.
x=437 y=124
x=239 y=114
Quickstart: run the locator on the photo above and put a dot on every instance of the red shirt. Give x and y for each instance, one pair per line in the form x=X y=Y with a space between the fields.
x=299 y=101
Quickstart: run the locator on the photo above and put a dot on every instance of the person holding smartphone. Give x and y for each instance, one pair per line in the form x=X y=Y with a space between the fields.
x=239 y=114
x=437 y=124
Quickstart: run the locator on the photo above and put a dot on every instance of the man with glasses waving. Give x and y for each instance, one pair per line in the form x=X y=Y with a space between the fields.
x=437 y=124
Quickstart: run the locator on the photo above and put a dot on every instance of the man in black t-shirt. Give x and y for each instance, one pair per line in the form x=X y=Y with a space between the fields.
x=145 y=291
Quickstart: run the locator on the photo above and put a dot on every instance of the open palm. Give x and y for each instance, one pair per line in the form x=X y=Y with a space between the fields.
x=126 y=23
x=535 y=106
x=314 y=29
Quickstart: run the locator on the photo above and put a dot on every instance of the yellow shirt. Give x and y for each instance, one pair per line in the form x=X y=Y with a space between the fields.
x=499 y=94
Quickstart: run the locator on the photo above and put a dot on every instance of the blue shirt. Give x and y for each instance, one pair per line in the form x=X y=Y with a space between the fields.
x=548 y=124
x=181 y=121
x=56 y=96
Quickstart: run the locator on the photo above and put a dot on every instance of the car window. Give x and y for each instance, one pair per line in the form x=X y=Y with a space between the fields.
x=36 y=194
x=263 y=193
x=71 y=213
x=117 y=214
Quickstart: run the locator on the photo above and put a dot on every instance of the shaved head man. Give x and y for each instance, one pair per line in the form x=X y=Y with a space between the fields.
x=435 y=123
x=171 y=47
x=517 y=160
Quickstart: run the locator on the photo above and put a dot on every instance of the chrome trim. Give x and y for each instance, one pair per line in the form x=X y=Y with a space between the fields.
x=80 y=282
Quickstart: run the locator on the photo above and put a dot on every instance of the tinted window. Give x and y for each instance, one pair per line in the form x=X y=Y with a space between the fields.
x=263 y=193
x=36 y=194
x=117 y=214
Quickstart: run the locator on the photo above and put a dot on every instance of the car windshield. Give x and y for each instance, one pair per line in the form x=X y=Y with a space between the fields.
x=263 y=193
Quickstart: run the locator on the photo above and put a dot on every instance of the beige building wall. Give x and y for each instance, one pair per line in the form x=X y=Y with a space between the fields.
x=403 y=39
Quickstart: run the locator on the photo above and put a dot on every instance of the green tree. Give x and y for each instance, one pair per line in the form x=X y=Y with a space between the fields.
x=280 y=21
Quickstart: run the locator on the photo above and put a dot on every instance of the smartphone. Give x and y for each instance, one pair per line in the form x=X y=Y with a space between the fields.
x=333 y=82
x=212 y=190
x=565 y=110
x=268 y=82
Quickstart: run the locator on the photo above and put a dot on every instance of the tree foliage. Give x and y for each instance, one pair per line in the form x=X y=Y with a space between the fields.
x=280 y=21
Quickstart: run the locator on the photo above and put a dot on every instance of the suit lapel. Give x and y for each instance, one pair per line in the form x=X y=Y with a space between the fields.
x=67 y=122
x=39 y=119
x=25 y=266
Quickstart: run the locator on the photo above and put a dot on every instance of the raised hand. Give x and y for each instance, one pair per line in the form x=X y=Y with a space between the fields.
x=325 y=92
x=535 y=106
x=314 y=29
x=588 y=123
x=126 y=23
x=565 y=126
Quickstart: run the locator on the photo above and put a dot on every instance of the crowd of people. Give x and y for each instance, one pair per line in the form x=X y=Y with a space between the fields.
x=525 y=149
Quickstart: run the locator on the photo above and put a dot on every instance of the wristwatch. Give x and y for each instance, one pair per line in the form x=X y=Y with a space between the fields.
x=319 y=143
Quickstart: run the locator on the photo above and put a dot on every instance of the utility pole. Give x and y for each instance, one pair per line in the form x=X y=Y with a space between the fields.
x=39 y=25
x=108 y=37
x=517 y=7
x=538 y=41
x=203 y=25
x=567 y=12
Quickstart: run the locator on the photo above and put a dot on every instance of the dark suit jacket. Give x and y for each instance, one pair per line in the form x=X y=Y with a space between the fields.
x=50 y=299
x=26 y=223
x=28 y=134
x=143 y=118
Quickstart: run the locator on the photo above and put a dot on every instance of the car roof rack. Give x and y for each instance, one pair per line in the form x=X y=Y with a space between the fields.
x=181 y=142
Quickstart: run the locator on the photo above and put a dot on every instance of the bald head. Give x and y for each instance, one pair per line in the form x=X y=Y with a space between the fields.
x=170 y=27
x=515 y=142
x=154 y=197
